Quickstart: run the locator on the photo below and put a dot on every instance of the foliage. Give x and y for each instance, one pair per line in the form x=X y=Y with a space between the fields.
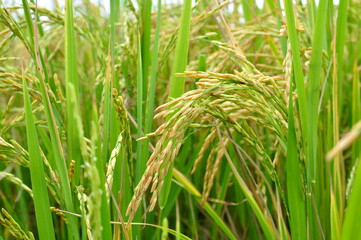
x=193 y=119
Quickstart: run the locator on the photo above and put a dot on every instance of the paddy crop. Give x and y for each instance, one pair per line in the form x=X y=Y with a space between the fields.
x=182 y=120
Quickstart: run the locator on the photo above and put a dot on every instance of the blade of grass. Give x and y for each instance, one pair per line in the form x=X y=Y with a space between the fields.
x=140 y=164
x=314 y=87
x=54 y=134
x=302 y=104
x=299 y=79
x=145 y=42
x=177 y=224
x=356 y=108
x=341 y=28
x=114 y=129
x=335 y=224
x=281 y=222
x=296 y=200
x=351 y=226
x=247 y=15
x=41 y=200
x=164 y=230
x=106 y=110
x=152 y=85
x=193 y=220
x=311 y=11
x=47 y=53
x=338 y=49
x=313 y=97
x=181 y=52
x=71 y=77
x=177 y=83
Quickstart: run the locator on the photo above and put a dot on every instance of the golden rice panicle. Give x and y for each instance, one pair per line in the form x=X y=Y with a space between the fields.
x=207 y=175
x=207 y=142
x=216 y=97
x=171 y=133
x=210 y=176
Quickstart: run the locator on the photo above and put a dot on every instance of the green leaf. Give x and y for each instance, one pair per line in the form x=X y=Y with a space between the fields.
x=71 y=77
x=295 y=195
x=53 y=129
x=152 y=85
x=140 y=164
x=38 y=181
x=296 y=59
x=177 y=83
x=146 y=9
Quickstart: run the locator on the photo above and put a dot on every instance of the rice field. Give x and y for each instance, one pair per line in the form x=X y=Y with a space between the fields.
x=207 y=119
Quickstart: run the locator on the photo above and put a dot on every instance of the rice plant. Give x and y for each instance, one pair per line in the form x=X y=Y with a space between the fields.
x=201 y=119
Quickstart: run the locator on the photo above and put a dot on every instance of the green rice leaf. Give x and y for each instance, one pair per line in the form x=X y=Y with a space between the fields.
x=38 y=181
x=295 y=193
x=177 y=82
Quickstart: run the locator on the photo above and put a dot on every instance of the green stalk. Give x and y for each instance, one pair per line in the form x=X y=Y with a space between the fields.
x=334 y=218
x=54 y=134
x=164 y=231
x=177 y=83
x=351 y=226
x=311 y=13
x=314 y=85
x=314 y=172
x=47 y=52
x=340 y=43
x=181 y=52
x=41 y=200
x=302 y=103
x=247 y=14
x=112 y=33
x=152 y=85
x=356 y=108
x=71 y=77
x=145 y=42
x=339 y=171
x=299 y=79
x=114 y=126
x=295 y=195
x=106 y=111
x=140 y=164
